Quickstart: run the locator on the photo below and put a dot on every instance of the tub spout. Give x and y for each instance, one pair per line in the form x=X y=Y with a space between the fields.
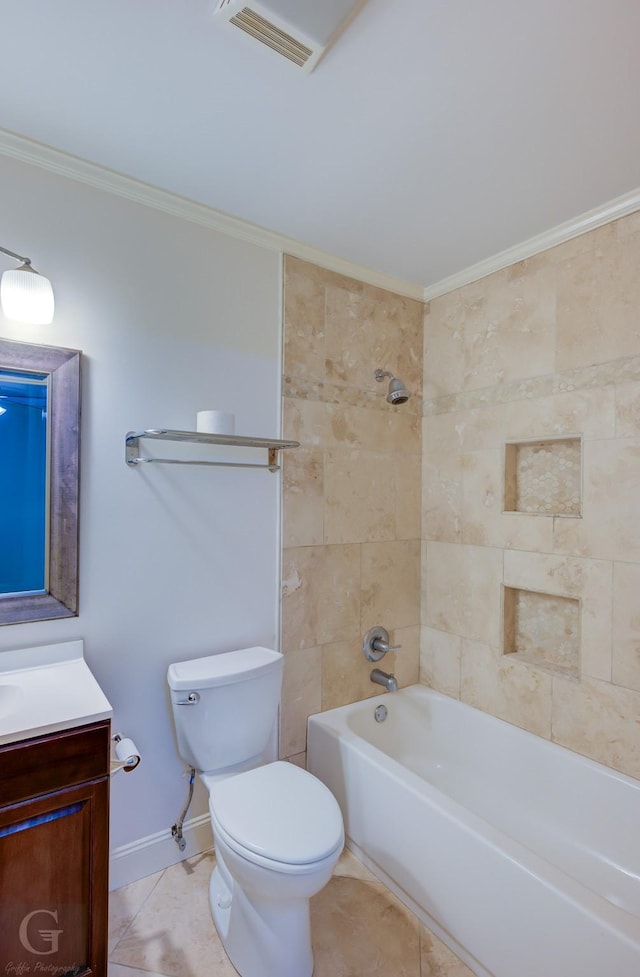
x=389 y=682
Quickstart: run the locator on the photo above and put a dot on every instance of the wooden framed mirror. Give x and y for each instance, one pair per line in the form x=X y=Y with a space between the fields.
x=39 y=481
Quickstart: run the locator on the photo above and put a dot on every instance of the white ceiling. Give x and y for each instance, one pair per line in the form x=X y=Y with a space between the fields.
x=432 y=135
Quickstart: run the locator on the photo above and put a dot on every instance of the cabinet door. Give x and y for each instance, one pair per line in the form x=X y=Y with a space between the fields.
x=53 y=883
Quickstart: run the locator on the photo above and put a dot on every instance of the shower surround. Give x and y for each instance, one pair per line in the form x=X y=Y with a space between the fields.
x=545 y=352
x=351 y=492
x=541 y=357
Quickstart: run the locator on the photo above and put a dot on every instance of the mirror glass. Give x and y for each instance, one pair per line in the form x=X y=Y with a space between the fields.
x=24 y=440
x=39 y=450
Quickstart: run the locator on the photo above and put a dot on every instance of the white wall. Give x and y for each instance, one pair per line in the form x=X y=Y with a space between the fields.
x=175 y=562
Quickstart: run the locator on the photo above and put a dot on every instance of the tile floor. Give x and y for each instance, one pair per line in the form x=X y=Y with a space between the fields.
x=161 y=926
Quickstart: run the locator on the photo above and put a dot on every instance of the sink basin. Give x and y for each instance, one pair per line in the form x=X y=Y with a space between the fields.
x=10 y=698
x=46 y=689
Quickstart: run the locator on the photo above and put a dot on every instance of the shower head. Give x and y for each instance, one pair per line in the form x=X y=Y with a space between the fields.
x=398 y=393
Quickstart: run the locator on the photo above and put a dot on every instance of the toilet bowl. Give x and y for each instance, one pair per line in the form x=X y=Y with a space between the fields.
x=277 y=829
x=278 y=835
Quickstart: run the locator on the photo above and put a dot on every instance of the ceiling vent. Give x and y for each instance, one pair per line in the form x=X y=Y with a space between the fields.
x=298 y=30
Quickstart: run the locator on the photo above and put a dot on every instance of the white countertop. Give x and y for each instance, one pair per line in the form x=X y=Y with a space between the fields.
x=46 y=689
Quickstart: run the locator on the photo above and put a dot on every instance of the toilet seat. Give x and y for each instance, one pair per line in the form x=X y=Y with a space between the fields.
x=277 y=813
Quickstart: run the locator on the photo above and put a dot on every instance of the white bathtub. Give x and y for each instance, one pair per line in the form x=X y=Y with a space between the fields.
x=522 y=856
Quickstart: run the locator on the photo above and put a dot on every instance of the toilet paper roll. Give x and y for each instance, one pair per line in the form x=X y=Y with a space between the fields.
x=215 y=422
x=128 y=754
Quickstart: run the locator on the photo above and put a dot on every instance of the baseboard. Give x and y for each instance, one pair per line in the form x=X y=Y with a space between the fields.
x=157 y=852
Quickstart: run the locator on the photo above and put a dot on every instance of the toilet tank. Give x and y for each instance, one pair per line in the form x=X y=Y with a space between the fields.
x=225 y=706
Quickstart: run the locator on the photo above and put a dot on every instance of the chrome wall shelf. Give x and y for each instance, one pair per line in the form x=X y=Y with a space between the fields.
x=272 y=447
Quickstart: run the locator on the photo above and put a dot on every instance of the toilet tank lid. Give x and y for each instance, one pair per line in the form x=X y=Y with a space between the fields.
x=222 y=669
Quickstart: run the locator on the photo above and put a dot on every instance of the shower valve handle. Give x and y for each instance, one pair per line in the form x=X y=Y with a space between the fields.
x=382 y=646
x=375 y=644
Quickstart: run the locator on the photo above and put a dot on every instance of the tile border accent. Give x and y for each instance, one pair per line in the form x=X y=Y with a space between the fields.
x=301 y=388
x=622 y=370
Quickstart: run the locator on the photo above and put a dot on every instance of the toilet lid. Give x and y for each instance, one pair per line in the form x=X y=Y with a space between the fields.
x=279 y=811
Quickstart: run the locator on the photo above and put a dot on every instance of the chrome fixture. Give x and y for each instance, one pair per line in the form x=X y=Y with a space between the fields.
x=25 y=294
x=380 y=713
x=398 y=393
x=375 y=644
x=389 y=682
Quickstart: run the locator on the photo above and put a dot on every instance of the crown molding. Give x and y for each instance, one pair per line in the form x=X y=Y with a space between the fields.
x=64 y=164
x=628 y=203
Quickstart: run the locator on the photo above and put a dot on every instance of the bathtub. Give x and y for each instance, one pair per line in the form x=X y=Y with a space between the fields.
x=523 y=857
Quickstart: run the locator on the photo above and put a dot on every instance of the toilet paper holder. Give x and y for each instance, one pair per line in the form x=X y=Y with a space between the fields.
x=125 y=755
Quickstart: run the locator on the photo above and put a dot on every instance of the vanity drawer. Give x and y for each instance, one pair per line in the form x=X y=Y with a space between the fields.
x=49 y=763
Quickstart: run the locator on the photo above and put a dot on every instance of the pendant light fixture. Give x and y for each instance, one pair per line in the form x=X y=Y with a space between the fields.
x=25 y=295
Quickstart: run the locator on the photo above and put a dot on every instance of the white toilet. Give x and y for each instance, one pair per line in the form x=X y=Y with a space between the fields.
x=277 y=829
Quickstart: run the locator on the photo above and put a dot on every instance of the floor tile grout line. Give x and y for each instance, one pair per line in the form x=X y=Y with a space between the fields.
x=136 y=914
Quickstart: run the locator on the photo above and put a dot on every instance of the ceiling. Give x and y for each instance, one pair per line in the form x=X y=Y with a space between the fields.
x=432 y=135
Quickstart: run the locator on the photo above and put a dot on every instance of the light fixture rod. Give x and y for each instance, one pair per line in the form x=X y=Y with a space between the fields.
x=18 y=257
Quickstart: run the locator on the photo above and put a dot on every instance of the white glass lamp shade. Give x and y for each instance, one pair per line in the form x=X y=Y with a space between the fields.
x=27 y=296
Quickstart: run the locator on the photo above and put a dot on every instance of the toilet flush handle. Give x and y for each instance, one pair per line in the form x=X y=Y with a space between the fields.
x=192 y=700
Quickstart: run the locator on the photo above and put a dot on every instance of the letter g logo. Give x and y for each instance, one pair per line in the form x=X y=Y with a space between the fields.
x=48 y=937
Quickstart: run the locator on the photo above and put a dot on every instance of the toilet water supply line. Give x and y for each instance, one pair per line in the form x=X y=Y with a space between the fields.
x=176 y=830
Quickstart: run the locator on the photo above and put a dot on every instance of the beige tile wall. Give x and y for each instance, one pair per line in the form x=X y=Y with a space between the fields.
x=351 y=492
x=547 y=348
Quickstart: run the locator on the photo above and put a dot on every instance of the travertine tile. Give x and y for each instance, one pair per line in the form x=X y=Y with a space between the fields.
x=306 y=421
x=598 y=301
x=484 y=521
x=390 y=584
x=407 y=471
x=303 y=497
x=304 y=313
x=476 y=429
x=590 y=413
x=301 y=697
x=610 y=524
x=588 y=580
x=360 y=500
x=125 y=903
x=437 y=960
x=543 y=630
x=345 y=674
x=509 y=690
x=361 y=334
x=510 y=332
x=119 y=970
x=299 y=760
x=444 y=345
x=320 y=595
x=462 y=590
x=442 y=495
x=359 y=927
x=626 y=625
x=352 y=868
x=173 y=933
x=599 y=720
x=628 y=410
x=626 y=225
x=405 y=663
x=440 y=657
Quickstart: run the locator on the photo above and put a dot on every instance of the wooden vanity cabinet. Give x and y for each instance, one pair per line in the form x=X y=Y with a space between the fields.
x=54 y=853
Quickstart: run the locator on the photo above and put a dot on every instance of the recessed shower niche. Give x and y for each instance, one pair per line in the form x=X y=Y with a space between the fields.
x=543 y=630
x=544 y=477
